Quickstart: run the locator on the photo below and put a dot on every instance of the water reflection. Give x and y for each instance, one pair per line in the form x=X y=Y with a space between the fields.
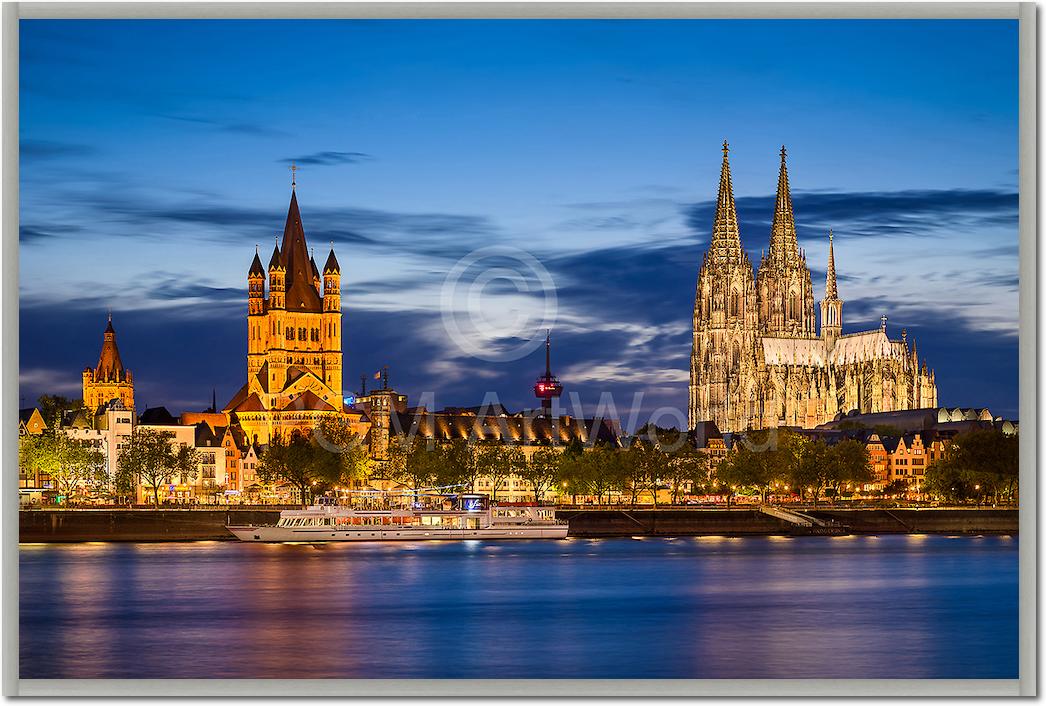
x=866 y=607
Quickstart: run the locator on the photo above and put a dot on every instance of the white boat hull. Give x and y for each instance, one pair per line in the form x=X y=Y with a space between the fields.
x=400 y=534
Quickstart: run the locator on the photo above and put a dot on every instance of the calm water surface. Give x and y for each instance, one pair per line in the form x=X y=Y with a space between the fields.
x=889 y=606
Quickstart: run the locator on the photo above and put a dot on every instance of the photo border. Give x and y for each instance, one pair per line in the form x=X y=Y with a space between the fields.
x=1025 y=685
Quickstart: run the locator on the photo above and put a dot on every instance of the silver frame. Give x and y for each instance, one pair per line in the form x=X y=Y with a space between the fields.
x=1025 y=685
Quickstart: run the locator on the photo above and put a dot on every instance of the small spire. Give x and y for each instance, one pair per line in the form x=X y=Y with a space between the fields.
x=883 y=320
x=294 y=174
x=110 y=310
x=830 y=289
x=726 y=148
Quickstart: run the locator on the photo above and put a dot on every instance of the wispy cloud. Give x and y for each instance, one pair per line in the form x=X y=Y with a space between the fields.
x=874 y=213
x=328 y=159
x=52 y=149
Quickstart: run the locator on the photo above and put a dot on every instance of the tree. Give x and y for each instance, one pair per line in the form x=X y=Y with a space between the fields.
x=70 y=463
x=497 y=462
x=412 y=462
x=150 y=459
x=456 y=465
x=751 y=464
x=981 y=463
x=350 y=450
x=687 y=469
x=303 y=462
x=601 y=471
x=542 y=471
x=53 y=408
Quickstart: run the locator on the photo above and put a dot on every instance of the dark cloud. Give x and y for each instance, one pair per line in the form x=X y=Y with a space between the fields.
x=442 y=235
x=871 y=214
x=327 y=159
x=174 y=287
x=28 y=234
x=50 y=149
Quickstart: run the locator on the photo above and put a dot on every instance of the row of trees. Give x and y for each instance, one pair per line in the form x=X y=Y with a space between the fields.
x=784 y=459
x=980 y=465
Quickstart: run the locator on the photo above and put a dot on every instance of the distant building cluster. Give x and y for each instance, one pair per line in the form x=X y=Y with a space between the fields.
x=757 y=362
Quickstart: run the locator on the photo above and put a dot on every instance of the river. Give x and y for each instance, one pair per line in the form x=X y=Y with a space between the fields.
x=892 y=606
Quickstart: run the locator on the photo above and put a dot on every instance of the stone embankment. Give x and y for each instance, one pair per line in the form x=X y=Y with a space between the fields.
x=168 y=525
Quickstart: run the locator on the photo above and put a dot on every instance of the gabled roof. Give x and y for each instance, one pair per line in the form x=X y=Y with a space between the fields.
x=24 y=415
x=157 y=415
x=239 y=397
x=205 y=436
x=301 y=292
x=308 y=400
x=251 y=404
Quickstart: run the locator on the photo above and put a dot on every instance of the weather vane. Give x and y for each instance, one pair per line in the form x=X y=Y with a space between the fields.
x=294 y=174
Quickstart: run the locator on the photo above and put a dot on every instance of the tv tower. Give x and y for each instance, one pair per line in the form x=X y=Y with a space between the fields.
x=548 y=385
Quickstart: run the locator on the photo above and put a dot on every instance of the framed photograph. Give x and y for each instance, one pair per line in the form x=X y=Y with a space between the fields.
x=519 y=349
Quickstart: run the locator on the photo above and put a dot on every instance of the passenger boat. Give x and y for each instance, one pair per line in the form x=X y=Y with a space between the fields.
x=457 y=517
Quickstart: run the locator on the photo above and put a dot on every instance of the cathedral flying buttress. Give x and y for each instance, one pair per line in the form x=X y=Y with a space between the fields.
x=758 y=360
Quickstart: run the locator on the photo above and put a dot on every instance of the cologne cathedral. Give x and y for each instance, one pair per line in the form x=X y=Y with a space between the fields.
x=758 y=360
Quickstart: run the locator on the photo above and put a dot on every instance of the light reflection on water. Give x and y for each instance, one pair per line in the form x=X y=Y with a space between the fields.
x=868 y=607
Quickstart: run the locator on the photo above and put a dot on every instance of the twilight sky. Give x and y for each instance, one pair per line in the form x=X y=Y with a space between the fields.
x=154 y=157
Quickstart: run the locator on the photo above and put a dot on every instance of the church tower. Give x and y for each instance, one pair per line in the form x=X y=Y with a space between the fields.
x=722 y=359
x=109 y=380
x=831 y=305
x=786 y=299
x=294 y=339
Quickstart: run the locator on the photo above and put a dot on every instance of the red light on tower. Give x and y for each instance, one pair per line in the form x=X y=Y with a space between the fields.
x=547 y=386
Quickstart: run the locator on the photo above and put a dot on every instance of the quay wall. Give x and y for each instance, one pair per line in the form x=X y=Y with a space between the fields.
x=171 y=525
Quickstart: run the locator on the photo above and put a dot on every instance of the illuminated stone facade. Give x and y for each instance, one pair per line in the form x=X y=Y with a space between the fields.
x=294 y=341
x=109 y=380
x=757 y=360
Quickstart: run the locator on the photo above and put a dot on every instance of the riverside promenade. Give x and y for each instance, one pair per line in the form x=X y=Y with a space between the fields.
x=178 y=525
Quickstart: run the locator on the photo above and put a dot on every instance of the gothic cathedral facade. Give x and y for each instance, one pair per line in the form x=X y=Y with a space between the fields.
x=759 y=362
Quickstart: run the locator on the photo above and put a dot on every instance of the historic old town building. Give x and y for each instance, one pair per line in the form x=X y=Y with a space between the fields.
x=294 y=340
x=108 y=380
x=758 y=360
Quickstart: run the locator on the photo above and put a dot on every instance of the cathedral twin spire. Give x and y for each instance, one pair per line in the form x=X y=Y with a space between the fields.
x=726 y=235
x=784 y=246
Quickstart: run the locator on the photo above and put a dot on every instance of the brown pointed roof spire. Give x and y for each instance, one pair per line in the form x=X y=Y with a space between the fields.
x=275 y=262
x=783 y=242
x=256 y=266
x=332 y=262
x=301 y=291
x=726 y=234
x=110 y=367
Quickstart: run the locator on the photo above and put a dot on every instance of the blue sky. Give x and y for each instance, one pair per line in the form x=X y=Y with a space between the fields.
x=154 y=157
